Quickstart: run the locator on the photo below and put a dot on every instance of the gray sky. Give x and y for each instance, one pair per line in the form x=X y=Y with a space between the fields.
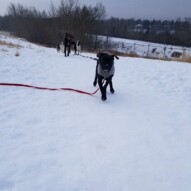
x=143 y=9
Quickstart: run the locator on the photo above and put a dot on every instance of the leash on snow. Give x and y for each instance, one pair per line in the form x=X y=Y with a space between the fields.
x=88 y=57
x=51 y=89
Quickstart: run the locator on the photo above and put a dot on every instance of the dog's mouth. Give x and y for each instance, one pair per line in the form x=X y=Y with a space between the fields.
x=106 y=70
x=106 y=67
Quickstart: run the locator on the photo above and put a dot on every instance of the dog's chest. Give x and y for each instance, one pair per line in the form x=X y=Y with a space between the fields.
x=106 y=74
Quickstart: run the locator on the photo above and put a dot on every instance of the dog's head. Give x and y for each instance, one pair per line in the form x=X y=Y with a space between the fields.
x=106 y=61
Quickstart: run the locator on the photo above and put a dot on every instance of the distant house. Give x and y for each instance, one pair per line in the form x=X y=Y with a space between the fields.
x=138 y=28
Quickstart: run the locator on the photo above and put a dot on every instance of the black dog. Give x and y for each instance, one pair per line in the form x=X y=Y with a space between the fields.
x=104 y=71
x=67 y=44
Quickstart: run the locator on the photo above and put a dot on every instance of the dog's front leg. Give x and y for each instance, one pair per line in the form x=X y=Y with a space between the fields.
x=106 y=84
x=111 y=84
x=109 y=81
x=111 y=87
x=68 y=50
x=65 y=51
x=96 y=75
x=102 y=88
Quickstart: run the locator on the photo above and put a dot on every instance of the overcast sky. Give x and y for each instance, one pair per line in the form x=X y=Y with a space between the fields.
x=143 y=9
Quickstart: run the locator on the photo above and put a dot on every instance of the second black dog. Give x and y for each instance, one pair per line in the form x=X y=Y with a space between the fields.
x=104 y=71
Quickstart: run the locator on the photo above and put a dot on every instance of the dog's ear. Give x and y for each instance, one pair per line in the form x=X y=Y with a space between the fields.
x=98 y=54
x=114 y=56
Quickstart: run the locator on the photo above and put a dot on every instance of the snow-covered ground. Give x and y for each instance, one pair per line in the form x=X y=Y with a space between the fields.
x=138 y=140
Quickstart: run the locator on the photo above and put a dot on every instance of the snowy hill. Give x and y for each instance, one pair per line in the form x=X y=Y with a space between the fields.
x=139 y=139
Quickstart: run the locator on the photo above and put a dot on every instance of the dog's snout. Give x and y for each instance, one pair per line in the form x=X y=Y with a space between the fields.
x=106 y=67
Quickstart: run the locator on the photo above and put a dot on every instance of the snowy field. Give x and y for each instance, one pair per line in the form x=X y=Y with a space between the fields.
x=148 y=49
x=138 y=140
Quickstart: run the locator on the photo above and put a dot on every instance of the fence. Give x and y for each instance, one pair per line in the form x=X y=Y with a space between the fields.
x=147 y=49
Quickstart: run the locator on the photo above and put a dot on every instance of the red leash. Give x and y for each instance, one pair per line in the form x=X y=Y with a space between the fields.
x=51 y=89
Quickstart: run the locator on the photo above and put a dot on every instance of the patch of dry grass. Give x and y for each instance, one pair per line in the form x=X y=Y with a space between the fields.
x=132 y=54
x=186 y=59
x=9 y=44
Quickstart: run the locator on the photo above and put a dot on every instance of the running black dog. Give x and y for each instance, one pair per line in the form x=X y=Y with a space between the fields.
x=104 y=71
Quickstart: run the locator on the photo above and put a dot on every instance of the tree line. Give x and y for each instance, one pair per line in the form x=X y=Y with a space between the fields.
x=85 y=23
x=174 y=32
x=50 y=27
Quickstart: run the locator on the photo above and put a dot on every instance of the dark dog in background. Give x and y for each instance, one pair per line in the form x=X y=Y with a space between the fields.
x=104 y=71
x=67 y=44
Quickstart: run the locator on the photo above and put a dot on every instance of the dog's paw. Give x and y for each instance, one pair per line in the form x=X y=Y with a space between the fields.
x=95 y=83
x=103 y=97
x=112 y=91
